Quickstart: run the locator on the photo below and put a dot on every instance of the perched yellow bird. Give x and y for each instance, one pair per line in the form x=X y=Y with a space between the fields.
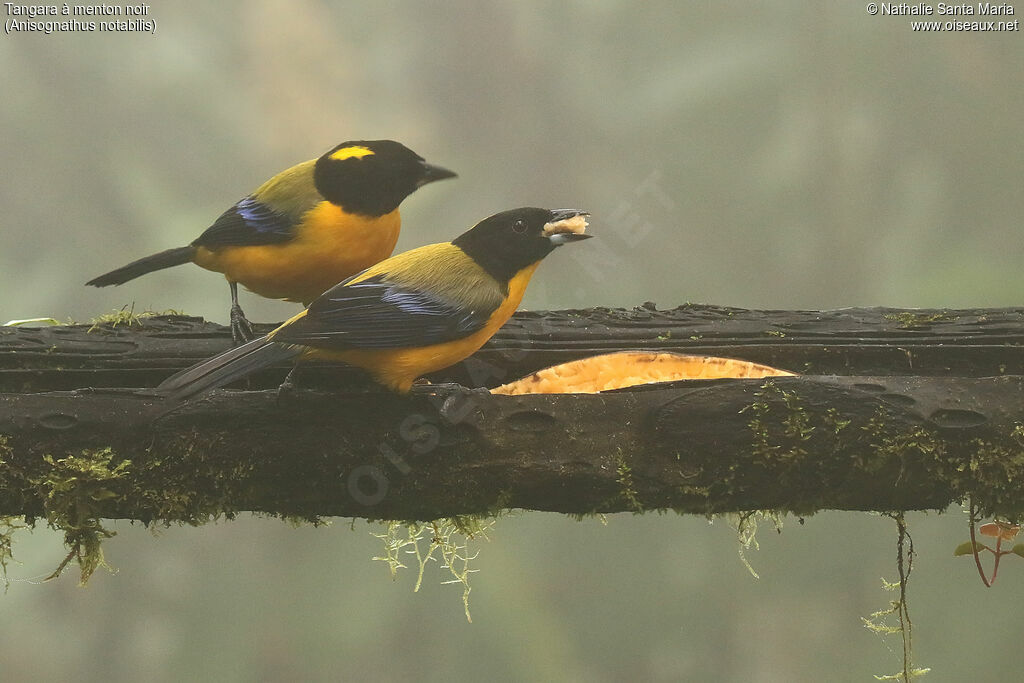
x=412 y=314
x=305 y=229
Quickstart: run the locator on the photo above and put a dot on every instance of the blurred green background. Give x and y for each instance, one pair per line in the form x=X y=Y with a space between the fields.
x=775 y=155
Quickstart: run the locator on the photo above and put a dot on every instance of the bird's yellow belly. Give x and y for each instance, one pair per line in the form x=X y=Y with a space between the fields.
x=330 y=246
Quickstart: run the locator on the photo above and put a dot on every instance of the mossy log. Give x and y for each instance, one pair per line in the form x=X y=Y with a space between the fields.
x=852 y=341
x=872 y=441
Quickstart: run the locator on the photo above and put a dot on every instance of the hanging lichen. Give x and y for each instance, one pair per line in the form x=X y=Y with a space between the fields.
x=448 y=537
x=877 y=621
x=746 y=524
x=73 y=490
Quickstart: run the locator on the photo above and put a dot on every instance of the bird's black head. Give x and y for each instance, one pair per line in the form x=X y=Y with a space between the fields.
x=372 y=177
x=509 y=241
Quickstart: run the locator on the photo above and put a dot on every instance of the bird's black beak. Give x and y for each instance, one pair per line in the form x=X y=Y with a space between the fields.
x=566 y=225
x=431 y=173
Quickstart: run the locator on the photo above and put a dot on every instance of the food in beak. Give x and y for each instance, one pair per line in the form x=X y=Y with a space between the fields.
x=567 y=229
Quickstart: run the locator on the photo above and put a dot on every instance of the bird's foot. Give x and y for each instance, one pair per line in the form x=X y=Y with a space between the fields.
x=422 y=387
x=241 y=328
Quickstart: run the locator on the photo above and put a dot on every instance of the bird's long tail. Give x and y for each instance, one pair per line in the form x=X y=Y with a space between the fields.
x=165 y=259
x=225 y=368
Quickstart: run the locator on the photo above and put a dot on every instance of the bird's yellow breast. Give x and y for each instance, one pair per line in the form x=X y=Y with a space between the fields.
x=329 y=246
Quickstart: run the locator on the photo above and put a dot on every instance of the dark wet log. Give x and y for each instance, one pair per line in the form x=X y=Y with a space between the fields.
x=793 y=443
x=854 y=341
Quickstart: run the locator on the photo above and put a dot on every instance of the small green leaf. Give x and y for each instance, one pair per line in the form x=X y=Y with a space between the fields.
x=969 y=549
x=31 y=321
x=1018 y=549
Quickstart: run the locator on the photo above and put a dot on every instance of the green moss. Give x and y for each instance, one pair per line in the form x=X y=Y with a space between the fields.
x=126 y=316
x=789 y=439
x=470 y=526
x=993 y=472
x=190 y=482
x=696 y=491
x=887 y=448
x=624 y=477
x=299 y=521
x=8 y=526
x=834 y=422
x=580 y=516
x=73 y=490
x=769 y=442
x=909 y=319
x=998 y=471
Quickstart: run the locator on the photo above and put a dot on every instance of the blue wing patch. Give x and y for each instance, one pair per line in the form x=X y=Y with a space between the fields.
x=376 y=314
x=250 y=222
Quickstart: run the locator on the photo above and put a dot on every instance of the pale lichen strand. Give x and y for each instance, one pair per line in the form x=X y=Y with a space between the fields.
x=448 y=537
x=745 y=524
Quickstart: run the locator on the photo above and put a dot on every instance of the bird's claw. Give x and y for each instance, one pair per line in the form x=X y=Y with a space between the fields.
x=241 y=328
x=425 y=388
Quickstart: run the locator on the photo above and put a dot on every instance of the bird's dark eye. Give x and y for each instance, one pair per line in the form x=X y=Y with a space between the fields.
x=519 y=226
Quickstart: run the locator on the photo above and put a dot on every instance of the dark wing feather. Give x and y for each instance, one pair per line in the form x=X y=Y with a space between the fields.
x=376 y=314
x=250 y=222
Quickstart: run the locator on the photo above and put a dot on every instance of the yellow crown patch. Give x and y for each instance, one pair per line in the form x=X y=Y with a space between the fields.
x=351 y=152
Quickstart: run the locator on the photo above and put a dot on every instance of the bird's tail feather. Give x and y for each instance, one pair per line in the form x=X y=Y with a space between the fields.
x=165 y=259
x=225 y=368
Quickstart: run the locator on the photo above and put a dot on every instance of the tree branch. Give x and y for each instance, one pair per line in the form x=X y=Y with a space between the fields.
x=852 y=341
